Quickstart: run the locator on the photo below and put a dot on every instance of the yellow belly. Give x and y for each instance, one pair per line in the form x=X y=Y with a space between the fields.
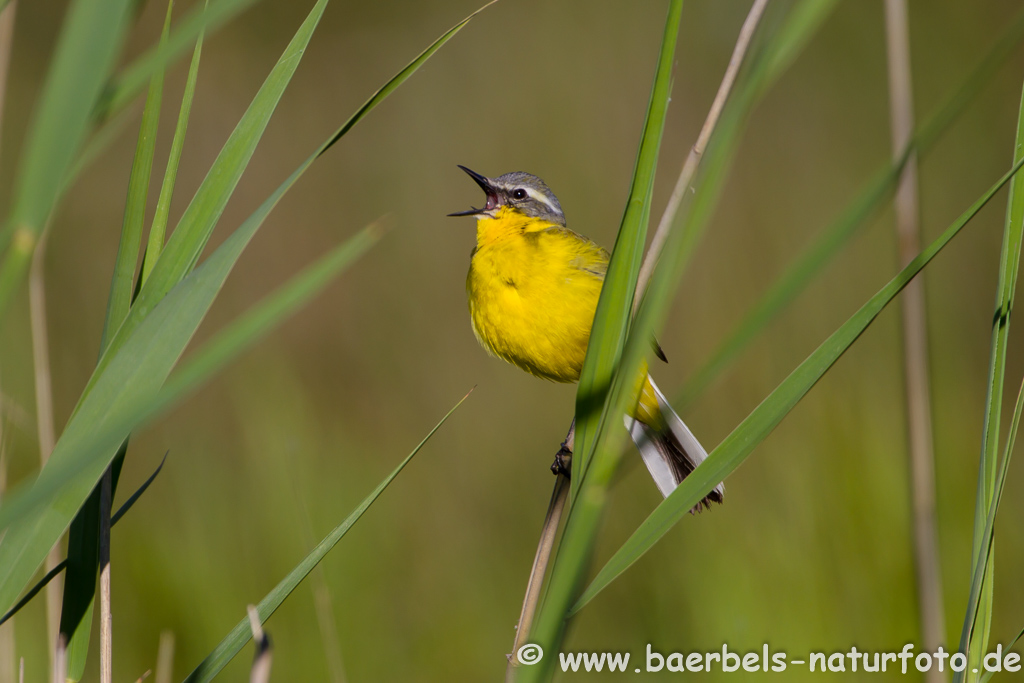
x=533 y=290
x=532 y=310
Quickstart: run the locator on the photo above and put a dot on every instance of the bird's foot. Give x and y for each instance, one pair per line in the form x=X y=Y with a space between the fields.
x=563 y=461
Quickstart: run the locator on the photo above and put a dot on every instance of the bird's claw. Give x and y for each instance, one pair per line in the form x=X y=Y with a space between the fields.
x=563 y=462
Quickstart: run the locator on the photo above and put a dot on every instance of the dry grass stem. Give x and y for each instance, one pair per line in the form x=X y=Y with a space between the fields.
x=260 y=672
x=915 y=344
x=697 y=151
x=165 y=658
x=7 y=648
x=106 y=620
x=6 y=40
x=60 y=661
x=45 y=431
x=540 y=563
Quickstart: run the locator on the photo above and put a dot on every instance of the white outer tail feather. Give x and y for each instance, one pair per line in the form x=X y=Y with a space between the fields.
x=653 y=456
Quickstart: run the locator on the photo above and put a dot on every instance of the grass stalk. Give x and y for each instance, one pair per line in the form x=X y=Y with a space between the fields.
x=7 y=643
x=45 y=431
x=106 y=619
x=6 y=40
x=915 y=343
x=260 y=671
x=541 y=561
x=60 y=662
x=689 y=170
x=165 y=658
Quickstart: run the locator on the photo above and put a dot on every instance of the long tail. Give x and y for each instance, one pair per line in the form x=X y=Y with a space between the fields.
x=670 y=450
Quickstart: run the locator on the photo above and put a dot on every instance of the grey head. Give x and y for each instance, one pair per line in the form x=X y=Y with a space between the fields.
x=523 y=192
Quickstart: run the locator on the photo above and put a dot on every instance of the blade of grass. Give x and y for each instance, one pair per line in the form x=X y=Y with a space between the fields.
x=611 y=321
x=226 y=171
x=57 y=493
x=196 y=225
x=981 y=576
x=90 y=40
x=128 y=393
x=158 y=229
x=84 y=536
x=989 y=674
x=98 y=142
x=607 y=336
x=974 y=636
x=237 y=638
x=736 y=447
x=135 y=207
x=853 y=217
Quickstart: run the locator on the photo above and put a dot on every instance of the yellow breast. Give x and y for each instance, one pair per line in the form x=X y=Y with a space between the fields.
x=533 y=287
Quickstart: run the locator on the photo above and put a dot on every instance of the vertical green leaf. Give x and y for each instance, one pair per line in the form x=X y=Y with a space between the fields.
x=83 y=535
x=134 y=77
x=975 y=634
x=607 y=336
x=123 y=391
x=21 y=546
x=611 y=320
x=158 y=229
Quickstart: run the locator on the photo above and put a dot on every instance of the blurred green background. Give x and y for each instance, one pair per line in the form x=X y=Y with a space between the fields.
x=812 y=550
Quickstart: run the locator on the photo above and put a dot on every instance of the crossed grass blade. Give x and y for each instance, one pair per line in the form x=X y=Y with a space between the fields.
x=850 y=220
x=83 y=536
x=143 y=370
x=736 y=447
x=58 y=492
x=241 y=634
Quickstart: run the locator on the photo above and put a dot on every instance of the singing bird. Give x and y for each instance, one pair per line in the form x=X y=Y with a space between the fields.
x=533 y=287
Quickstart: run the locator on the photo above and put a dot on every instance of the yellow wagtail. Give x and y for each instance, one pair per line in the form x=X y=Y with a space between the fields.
x=533 y=287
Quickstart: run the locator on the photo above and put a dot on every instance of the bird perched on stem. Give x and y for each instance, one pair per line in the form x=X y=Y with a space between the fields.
x=533 y=288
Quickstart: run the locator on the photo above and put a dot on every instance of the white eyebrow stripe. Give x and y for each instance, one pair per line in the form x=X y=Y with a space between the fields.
x=541 y=198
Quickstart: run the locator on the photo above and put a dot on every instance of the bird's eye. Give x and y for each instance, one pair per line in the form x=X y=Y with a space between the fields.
x=519 y=193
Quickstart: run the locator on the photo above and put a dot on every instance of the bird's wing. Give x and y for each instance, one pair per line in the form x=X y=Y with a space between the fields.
x=590 y=257
x=593 y=259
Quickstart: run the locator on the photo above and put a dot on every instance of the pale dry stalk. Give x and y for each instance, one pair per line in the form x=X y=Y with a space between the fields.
x=915 y=343
x=689 y=171
x=106 y=619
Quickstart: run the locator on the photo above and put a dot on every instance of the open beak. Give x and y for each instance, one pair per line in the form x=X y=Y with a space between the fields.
x=485 y=185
